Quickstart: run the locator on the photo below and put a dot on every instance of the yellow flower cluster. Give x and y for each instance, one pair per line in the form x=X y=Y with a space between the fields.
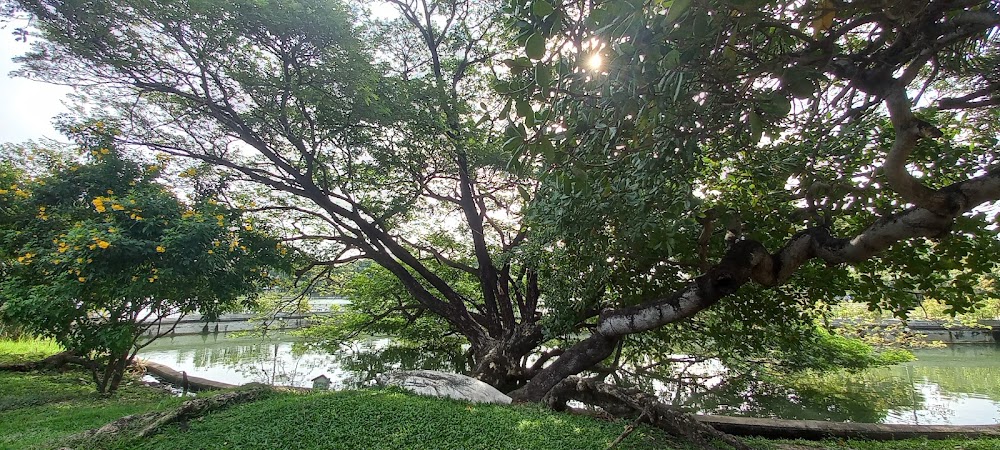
x=42 y=214
x=99 y=204
x=17 y=191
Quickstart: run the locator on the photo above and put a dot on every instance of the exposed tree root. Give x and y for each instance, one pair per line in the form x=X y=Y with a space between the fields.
x=646 y=407
x=148 y=424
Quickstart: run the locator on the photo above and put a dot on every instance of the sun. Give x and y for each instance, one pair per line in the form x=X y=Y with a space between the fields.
x=595 y=61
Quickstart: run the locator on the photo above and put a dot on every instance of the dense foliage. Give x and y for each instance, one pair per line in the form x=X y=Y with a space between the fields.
x=103 y=258
x=571 y=181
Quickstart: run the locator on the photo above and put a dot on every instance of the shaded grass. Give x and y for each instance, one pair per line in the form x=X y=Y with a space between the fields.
x=39 y=408
x=42 y=409
x=28 y=349
x=392 y=419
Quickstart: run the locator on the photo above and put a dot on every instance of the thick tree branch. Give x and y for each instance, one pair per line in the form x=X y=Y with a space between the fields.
x=748 y=260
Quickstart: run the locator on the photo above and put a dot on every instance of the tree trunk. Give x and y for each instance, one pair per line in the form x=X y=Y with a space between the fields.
x=499 y=363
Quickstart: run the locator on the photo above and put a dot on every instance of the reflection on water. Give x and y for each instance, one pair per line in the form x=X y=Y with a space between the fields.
x=281 y=359
x=957 y=385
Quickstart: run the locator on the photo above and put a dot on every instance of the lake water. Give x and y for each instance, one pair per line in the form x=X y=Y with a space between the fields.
x=958 y=385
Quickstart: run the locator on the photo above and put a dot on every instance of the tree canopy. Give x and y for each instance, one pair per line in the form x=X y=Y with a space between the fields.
x=580 y=176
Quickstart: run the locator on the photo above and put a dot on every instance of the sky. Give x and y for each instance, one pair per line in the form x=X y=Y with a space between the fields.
x=26 y=107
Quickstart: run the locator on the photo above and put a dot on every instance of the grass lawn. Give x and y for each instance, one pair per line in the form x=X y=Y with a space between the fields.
x=27 y=350
x=392 y=419
x=37 y=409
x=41 y=409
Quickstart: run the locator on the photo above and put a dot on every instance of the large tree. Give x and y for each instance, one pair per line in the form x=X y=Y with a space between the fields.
x=601 y=210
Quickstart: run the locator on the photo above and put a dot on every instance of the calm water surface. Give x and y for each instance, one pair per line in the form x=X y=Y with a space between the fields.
x=958 y=385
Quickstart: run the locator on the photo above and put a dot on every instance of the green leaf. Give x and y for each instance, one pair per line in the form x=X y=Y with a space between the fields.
x=799 y=85
x=506 y=108
x=543 y=75
x=672 y=59
x=510 y=145
x=523 y=108
x=756 y=126
x=524 y=193
x=534 y=47
x=676 y=9
x=547 y=149
x=541 y=8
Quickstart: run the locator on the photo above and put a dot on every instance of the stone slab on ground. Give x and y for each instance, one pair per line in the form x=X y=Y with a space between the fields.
x=444 y=384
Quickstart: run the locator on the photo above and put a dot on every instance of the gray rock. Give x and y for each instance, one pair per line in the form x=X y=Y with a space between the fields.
x=444 y=384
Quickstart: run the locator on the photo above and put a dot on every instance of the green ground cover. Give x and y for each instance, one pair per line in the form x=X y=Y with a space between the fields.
x=39 y=408
x=42 y=409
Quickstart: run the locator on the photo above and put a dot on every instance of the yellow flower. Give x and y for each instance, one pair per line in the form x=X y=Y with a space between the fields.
x=105 y=151
x=3 y=191
x=248 y=227
x=210 y=251
x=187 y=214
x=151 y=279
x=103 y=244
x=160 y=249
x=92 y=246
x=136 y=217
x=99 y=204
x=117 y=207
x=82 y=279
x=112 y=230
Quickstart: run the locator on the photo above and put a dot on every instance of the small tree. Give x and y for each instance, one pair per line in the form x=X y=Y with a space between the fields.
x=104 y=259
